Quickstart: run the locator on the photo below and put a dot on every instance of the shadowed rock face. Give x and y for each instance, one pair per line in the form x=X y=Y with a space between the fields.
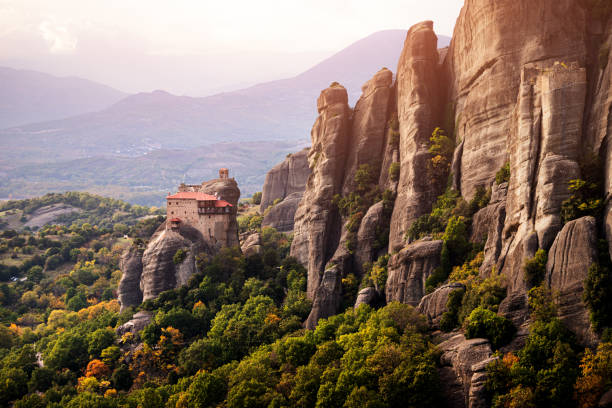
x=569 y=259
x=433 y=305
x=288 y=177
x=281 y=216
x=418 y=107
x=463 y=371
x=409 y=269
x=129 y=287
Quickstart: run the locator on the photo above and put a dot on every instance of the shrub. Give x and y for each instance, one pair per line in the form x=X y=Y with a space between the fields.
x=179 y=256
x=585 y=200
x=535 y=268
x=503 y=174
x=485 y=323
x=441 y=148
x=257 y=198
x=450 y=318
x=394 y=171
x=597 y=295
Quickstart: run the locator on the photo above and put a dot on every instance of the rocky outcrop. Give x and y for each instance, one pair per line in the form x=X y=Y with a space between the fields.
x=569 y=259
x=368 y=296
x=251 y=244
x=138 y=322
x=159 y=270
x=545 y=147
x=433 y=305
x=488 y=225
x=463 y=371
x=409 y=269
x=316 y=229
x=599 y=122
x=148 y=272
x=369 y=235
x=418 y=106
x=368 y=129
x=288 y=177
x=281 y=216
x=129 y=286
x=493 y=40
x=327 y=297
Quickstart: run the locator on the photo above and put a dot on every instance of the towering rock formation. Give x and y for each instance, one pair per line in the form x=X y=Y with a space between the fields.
x=316 y=230
x=545 y=146
x=493 y=41
x=418 y=105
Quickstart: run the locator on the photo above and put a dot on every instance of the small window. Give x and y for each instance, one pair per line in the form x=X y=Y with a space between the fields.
x=171 y=212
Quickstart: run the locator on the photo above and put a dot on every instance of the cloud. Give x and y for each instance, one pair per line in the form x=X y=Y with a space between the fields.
x=58 y=37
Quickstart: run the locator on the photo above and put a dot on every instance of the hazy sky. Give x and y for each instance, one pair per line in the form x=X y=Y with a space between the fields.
x=141 y=45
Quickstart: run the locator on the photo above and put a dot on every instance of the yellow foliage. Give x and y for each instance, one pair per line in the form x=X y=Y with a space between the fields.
x=88 y=384
x=96 y=310
x=198 y=304
x=510 y=359
x=596 y=371
x=110 y=393
x=272 y=318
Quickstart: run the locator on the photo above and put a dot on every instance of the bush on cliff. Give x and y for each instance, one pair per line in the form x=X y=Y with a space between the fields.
x=544 y=371
x=483 y=322
x=503 y=174
x=535 y=268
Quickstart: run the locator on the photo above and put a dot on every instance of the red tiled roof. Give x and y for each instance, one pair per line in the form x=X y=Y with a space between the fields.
x=192 y=195
x=175 y=219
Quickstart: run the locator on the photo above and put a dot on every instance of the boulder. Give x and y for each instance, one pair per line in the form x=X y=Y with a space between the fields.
x=569 y=259
x=463 y=367
x=419 y=105
x=286 y=178
x=409 y=269
x=433 y=305
x=281 y=216
x=138 y=322
x=368 y=296
x=251 y=244
x=149 y=271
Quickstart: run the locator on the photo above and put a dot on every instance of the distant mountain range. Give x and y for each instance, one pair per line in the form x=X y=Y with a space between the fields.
x=30 y=96
x=282 y=111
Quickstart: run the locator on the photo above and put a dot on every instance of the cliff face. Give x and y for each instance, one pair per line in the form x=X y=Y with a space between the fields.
x=285 y=182
x=523 y=83
x=492 y=43
x=286 y=178
x=418 y=105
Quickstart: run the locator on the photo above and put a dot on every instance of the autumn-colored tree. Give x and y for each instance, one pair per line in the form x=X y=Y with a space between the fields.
x=97 y=368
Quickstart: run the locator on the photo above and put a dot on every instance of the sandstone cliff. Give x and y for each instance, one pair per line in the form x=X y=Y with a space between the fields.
x=523 y=83
x=286 y=178
x=418 y=105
